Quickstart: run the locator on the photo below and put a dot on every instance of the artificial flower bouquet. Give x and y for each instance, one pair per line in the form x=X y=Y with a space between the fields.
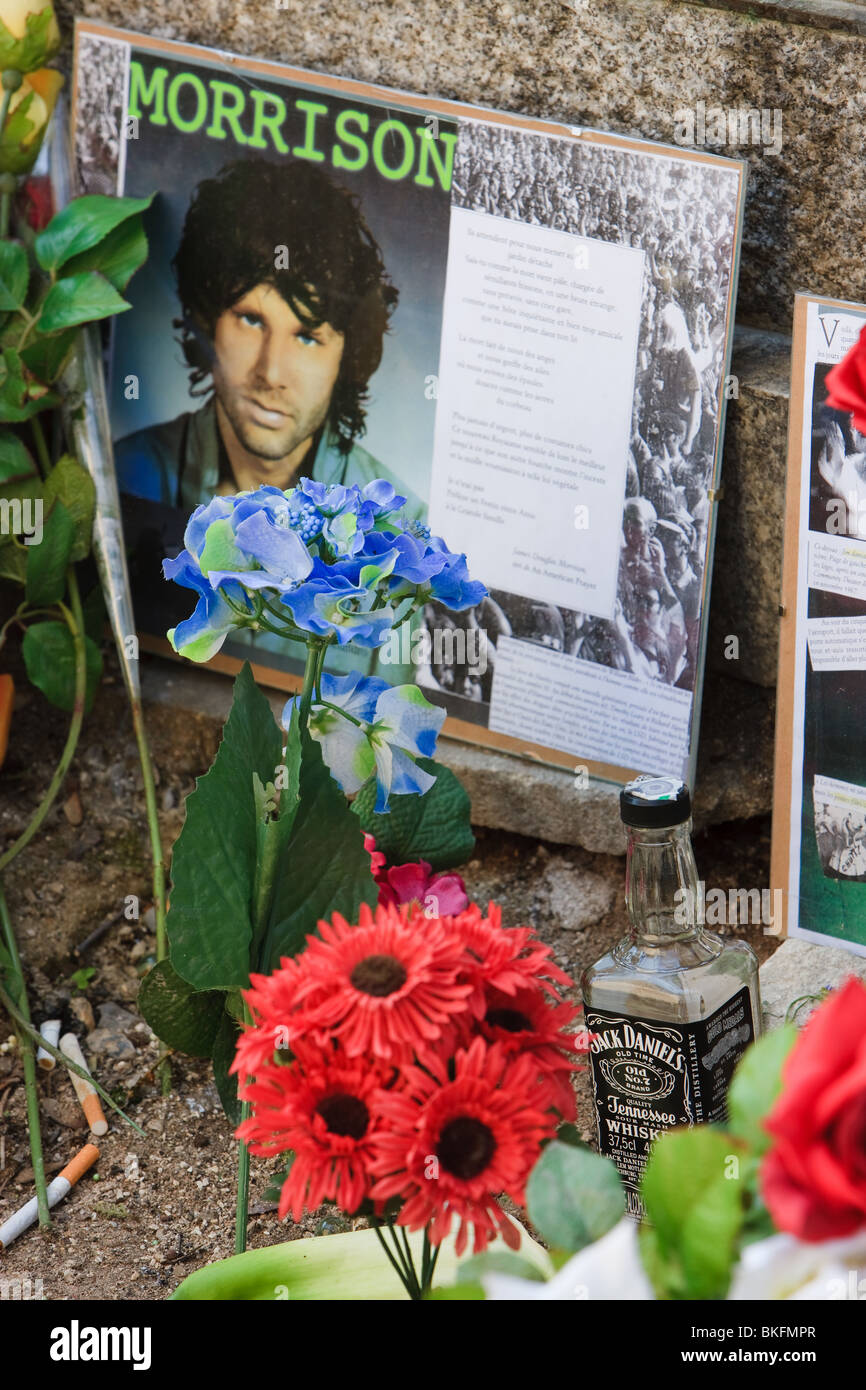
x=275 y=839
x=772 y=1206
x=412 y=1067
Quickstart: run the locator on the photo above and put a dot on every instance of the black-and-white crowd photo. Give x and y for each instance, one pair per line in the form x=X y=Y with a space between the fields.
x=683 y=215
x=101 y=76
x=841 y=835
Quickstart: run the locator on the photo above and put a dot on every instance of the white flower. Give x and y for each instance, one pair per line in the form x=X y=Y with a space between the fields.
x=610 y=1268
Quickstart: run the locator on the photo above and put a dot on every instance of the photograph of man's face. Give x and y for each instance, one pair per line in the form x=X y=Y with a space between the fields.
x=285 y=302
x=273 y=378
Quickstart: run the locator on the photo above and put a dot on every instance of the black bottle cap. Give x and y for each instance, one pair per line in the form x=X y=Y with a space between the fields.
x=654 y=803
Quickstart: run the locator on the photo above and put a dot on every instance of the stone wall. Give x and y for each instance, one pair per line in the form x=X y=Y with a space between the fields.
x=623 y=65
x=630 y=66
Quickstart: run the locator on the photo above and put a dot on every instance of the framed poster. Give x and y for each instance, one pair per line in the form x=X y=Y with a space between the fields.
x=529 y=334
x=819 y=801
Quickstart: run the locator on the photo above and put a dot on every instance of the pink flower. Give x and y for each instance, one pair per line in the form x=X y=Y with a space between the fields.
x=443 y=894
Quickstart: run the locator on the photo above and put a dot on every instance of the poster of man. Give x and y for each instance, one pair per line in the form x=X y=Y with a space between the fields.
x=348 y=284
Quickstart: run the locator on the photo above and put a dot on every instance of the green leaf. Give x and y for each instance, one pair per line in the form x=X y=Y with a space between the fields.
x=49 y=655
x=756 y=1083
x=118 y=256
x=224 y=1047
x=694 y=1203
x=21 y=396
x=472 y=1271
x=573 y=1196
x=72 y=485
x=40 y=42
x=458 y=1293
x=48 y=560
x=325 y=869
x=13 y=563
x=46 y=356
x=93 y=609
x=20 y=138
x=14 y=275
x=181 y=1017
x=15 y=458
x=273 y=832
x=214 y=859
x=435 y=827
x=83 y=224
x=347 y=1267
x=80 y=299
x=275 y=1186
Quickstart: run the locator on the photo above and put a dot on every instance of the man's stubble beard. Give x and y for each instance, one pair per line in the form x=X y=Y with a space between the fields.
x=271 y=446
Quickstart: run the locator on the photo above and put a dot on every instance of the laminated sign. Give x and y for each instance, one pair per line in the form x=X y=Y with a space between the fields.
x=524 y=327
x=819 y=815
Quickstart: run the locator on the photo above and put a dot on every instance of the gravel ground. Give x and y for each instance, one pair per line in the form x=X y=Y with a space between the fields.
x=161 y=1204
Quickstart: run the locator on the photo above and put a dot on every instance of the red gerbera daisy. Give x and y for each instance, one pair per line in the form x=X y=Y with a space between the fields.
x=326 y=1109
x=449 y=1147
x=504 y=958
x=526 y=1022
x=272 y=1002
x=385 y=988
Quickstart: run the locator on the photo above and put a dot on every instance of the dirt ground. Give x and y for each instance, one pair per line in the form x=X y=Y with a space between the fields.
x=161 y=1204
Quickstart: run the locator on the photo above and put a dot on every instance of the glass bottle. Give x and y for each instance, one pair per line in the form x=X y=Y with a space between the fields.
x=672 y=1007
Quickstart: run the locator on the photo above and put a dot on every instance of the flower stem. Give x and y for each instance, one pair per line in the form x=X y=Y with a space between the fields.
x=409 y=1260
x=41 y=443
x=20 y=1016
x=405 y=1272
x=242 y=1203
x=7 y=187
x=311 y=669
x=75 y=622
x=431 y=1269
x=156 y=854
x=326 y=704
x=243 y=1198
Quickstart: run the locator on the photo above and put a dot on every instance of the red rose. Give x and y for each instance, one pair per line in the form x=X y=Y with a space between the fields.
x=814 y=1177
x=846 y=383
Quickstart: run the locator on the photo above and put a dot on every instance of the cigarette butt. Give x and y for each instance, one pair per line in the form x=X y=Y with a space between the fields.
x=50 y=1031
x=78 y=1166
x=20 y=1220
x=85 y=1090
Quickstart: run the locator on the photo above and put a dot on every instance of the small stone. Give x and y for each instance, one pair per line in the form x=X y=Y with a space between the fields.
x=63 y=1112
x=105 y=1042
x=113 y=1016
x=72 y=809
x=578 y=898
x=169 y=799
x=83 y=1010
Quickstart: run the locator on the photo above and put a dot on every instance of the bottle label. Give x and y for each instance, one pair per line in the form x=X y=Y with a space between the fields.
x=650 y=1076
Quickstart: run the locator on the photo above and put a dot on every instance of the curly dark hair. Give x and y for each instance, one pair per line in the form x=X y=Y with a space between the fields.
x=231 y=234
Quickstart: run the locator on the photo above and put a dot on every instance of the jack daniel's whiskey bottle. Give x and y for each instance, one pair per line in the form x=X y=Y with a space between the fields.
x=673 y=1006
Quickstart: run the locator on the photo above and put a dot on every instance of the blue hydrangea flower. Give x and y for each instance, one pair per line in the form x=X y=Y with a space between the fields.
x=425 y=562
x=200 y=636
x=339 y=559
x=390 y=726
x=344 y=600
